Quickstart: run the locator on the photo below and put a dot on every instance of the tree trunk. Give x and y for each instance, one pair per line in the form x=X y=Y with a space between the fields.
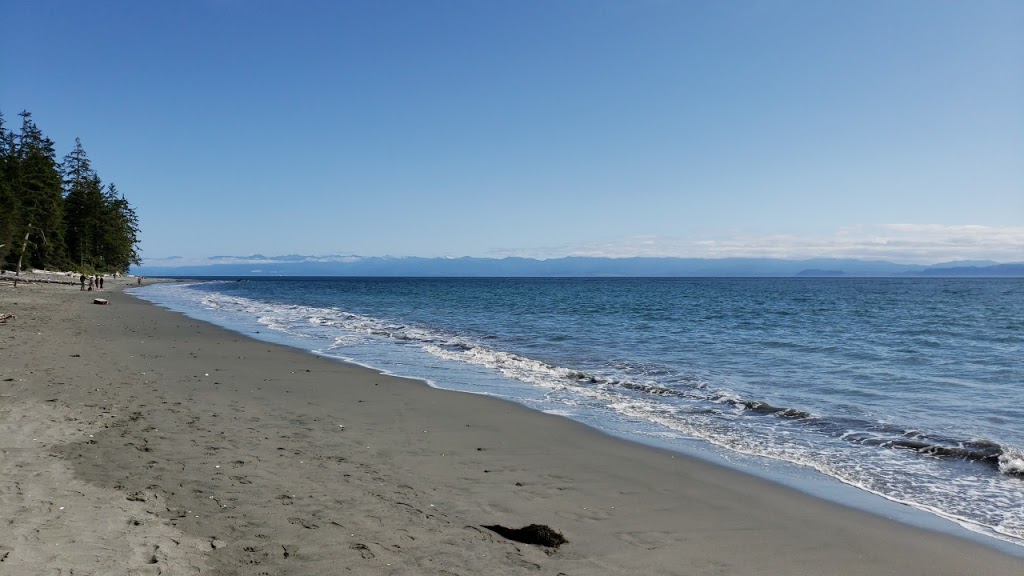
x=24 y=245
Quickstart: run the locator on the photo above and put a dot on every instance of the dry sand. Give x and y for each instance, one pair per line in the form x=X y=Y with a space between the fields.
x=134 y=440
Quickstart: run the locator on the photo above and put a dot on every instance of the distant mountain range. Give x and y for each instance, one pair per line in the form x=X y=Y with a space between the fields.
x=297 y=265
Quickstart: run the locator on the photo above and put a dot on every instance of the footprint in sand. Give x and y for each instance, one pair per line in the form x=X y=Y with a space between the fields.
x=364 y=551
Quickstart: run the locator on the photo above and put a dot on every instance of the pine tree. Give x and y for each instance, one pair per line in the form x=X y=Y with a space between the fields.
x=8 y=203
x=119 y=233
x=83 y=208
x=37 y=187
x=54 y=217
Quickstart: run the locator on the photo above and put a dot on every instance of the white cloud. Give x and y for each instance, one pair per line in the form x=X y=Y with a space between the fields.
x=901 y=243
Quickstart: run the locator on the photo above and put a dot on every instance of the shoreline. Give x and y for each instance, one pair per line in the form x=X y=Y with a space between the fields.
x=234 y=446
x=799 y=473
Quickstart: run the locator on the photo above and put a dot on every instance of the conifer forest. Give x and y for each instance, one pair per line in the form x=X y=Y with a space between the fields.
x=58 y=214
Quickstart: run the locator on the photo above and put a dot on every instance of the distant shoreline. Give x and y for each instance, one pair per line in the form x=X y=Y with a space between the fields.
x=579 y=268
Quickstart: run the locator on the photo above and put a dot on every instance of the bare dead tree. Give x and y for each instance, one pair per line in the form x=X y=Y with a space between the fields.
x=24 y=246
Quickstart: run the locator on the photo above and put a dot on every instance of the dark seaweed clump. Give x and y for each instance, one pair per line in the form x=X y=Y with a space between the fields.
x=533 y=534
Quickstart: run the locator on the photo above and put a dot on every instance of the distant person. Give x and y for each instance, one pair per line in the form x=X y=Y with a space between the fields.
x=81 y=280
x=101 y=282
x=90 y=283
x=140 y=281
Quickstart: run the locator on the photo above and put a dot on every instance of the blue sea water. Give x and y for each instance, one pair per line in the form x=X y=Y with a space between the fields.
x=910 y=389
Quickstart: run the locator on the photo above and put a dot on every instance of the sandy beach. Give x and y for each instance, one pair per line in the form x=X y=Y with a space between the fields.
x=134 y=440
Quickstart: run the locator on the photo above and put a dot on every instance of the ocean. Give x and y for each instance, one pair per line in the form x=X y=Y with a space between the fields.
x=911 y=390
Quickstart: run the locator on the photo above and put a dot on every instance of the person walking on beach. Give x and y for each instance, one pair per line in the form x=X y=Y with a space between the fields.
x=101 y=282
x=90 y=283
x=81 y=280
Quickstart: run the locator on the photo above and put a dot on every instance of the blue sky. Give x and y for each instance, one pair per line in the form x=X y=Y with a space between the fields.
x=869 y=129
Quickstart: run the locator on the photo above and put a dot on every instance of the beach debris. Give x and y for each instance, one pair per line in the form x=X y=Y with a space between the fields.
x=99 y=301
x=539 y=534
x=6 y=316
x=217 y=543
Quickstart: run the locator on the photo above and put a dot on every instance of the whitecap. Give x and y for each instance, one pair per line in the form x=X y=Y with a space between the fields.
x=1011 y=461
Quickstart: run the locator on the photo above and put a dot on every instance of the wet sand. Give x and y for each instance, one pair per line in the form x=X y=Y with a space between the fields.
x=136 y=440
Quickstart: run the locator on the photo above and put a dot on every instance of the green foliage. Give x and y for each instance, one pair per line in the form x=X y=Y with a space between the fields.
x=9 y=206
x=59 y=216
x=119 y=232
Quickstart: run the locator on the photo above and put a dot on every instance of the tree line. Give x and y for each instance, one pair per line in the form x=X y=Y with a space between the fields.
x=58 y=215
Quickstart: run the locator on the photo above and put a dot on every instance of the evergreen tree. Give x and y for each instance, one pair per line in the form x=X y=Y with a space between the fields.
x=8 y=202
x=101 y=226
x=56 y=217
x=83 y=208
x=119 y=233
x=37 y=187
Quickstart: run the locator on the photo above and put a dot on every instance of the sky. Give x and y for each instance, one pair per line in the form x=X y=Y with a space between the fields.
x=874 y=129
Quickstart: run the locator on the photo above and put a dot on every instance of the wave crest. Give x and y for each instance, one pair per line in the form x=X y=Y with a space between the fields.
x=1011 y=462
